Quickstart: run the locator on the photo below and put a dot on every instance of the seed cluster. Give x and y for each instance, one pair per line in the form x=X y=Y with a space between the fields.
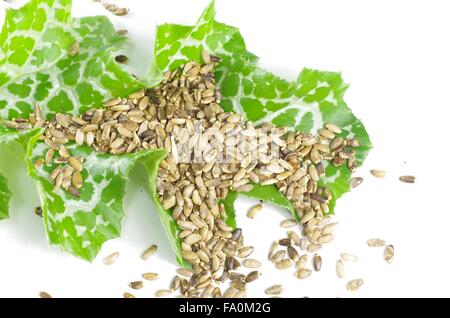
x=179 y=111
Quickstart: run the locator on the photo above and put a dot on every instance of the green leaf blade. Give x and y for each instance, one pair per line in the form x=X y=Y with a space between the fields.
x=5 y=197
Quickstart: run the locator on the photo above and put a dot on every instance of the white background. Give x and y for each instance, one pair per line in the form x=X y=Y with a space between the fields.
x=395 y=54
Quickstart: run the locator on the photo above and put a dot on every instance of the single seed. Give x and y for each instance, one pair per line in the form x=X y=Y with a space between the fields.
x=376 y=242
x=121 y=11
x=313 y=247
x=288 y=223
x=251 y=263
x=317 y=262
x=44 y=294
x=278 y=256
x=75 y=163
x=74 y=48
x=333 y=128
x=292 y=253
x=252 y=276
x=128 y=295
x=285 y=242
x=149 y=252
x=245 y=251
x=150 y=276
x=408 y=179
x=185 y=272
x=284 y=264
x=136 y=284
x=253 y=210
x=274 y=290
x=162 y=293
x=301 y=263
x=110 y=259
x=340 y=268
x=303 y=273
x=356 y=181
x=389 y=253
x=378 y=173
x=349 y=257
x=355 y=284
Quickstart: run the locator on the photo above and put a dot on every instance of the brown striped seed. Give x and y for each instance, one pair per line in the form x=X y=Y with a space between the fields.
x=317 y=262
x=408 y=179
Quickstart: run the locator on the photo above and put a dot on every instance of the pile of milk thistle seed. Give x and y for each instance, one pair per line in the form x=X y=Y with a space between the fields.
x=179 y=111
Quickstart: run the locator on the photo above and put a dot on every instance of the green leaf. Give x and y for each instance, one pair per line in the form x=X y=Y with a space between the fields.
x=16 y=142
x=316 y=97
x=35 y=66
x=81 y=225
x=5 y=196
x=266 y=193
x=169 y=224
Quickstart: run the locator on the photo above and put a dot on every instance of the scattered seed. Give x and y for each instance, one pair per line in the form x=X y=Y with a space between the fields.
x=111 y=259
x=288 y=223
x=185 y=272
x=317 y=262
x=349 y=257
x=274 y=290
x=149 y=252
x=389 y=253
x=44 y=294
x=284 y=264
x=121 y=11
x=136 y=284
x=408 y=179
x=356 y=181
x=246 y=251
x=74 y=48
x=128 y=295
x=301 y=263
x=378 y=173
x=150 y=276
x=253 y=210
x=162 y=293
x=252 y=276
x=303 y=273
x=340 y=268
x=251 y=263
x=355 y=284
x=376 y=242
